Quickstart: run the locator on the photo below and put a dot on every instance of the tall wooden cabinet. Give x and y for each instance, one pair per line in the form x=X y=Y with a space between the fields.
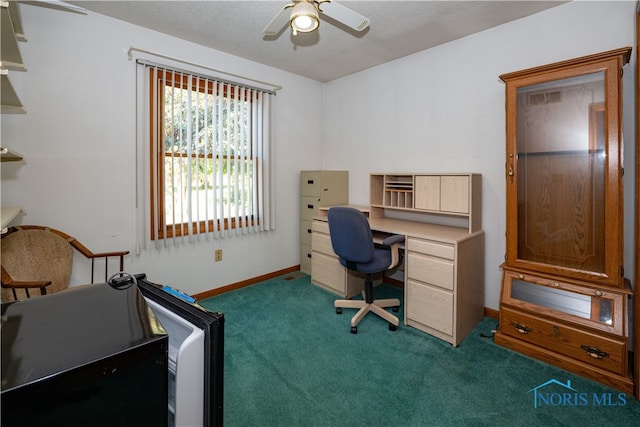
x=318 y=188
x=564 y=296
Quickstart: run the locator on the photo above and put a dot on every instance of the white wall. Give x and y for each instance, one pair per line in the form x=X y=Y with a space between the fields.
x=78 y=139
x=442 y=110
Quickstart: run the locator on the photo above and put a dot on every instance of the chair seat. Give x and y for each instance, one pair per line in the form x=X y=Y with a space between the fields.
x=380 y=262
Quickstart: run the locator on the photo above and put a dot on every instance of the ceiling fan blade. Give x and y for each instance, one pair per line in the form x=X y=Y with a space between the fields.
x=343 y=15
x=278 y=22
x=58 y=5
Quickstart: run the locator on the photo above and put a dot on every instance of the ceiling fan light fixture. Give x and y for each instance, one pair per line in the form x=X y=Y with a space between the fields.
x=304 y=18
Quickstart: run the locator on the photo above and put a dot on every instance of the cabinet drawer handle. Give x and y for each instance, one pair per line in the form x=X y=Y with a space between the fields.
x=520 y=327
x=309 y=181
x=309 y=206
x=594 y=352
x=309 y=230
x=308 y=255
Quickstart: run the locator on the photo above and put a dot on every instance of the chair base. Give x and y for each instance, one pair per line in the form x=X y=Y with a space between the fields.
x=376 y=306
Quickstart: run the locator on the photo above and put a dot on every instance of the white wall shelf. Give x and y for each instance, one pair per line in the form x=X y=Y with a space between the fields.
x=8 y=214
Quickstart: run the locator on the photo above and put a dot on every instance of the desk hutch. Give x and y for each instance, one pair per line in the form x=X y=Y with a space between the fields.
x=440 y=217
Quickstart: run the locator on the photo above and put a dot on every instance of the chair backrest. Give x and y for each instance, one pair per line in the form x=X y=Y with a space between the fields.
x=351 y=236
x=37 y=254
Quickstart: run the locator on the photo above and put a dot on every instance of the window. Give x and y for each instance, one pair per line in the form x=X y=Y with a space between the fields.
x=208 y=155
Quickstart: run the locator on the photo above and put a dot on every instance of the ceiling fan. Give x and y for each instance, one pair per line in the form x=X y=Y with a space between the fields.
x=302 y=17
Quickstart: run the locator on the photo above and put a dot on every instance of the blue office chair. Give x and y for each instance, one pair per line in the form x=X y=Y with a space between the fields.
x=352 y=241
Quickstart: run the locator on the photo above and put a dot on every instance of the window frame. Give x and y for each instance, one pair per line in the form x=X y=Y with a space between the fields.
x=160 y=229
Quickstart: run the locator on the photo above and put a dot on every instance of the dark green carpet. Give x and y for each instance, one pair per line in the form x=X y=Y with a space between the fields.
x=290 y=360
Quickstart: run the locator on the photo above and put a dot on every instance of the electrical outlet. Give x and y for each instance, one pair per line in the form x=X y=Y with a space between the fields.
x=218 y=255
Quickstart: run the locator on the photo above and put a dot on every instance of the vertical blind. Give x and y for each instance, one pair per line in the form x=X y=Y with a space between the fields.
x=208 y=156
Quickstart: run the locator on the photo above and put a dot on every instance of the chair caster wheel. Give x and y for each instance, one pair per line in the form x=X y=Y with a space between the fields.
x=392 y=327
x=396 y=309
x=354 y=329
x=338 y=310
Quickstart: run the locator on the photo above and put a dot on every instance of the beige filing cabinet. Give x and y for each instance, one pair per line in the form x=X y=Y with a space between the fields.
x=318 y=188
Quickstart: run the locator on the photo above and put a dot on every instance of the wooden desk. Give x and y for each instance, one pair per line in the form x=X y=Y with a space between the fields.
x=443 y=273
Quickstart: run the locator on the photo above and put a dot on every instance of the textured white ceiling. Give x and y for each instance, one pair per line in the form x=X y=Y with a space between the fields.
x=397 y=29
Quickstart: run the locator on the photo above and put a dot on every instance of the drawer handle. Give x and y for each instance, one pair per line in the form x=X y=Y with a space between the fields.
x=309 y=206
x=308 y=255
x=309 y=181
x=594 y=352
x=309 y=230
x=520 y=327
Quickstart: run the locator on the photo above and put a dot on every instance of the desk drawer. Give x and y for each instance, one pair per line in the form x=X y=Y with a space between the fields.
x=581 y=345
x=430 y=247
x=429 y=306
x=322 y=243
x=327 y=271
x=435 y=271
x=320 y=226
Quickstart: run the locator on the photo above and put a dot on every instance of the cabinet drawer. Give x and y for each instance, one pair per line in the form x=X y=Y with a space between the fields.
x=305 y=259
x=327 y=271
x=429 y=247
x=309 y=207
x=322 y=243
x=435 y=271
x=305 y=232
x=430 y=306
x=581 y=345
x=311 y=183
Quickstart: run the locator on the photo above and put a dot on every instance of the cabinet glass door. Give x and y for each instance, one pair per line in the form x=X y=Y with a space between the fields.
x=563 y=170
x=561 y=160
